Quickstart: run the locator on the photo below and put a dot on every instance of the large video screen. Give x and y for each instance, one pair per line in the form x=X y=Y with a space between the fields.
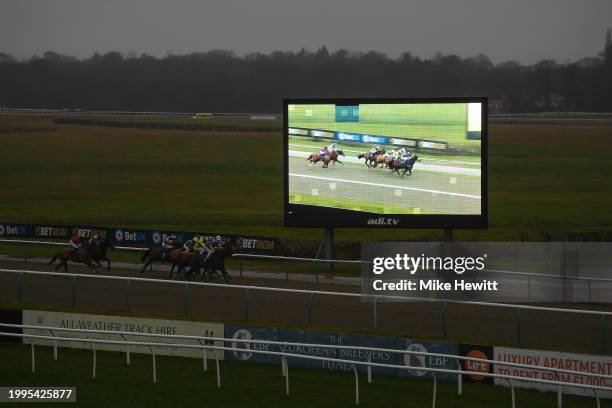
x=386 y=163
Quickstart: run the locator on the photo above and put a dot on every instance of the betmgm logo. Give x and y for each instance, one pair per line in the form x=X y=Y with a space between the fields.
x=392 y=222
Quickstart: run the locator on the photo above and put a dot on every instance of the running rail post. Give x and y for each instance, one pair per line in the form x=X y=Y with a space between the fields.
x=559 y=392
x=74 y=288
x=356 y=384
x=20 y=288
x=435 y=389
x=603 y=333
x=204 y=356
x=310 y=303
x=154 y=368
x=240 y=263
x=459 y=377
x=128 y=297
x=54 y=345
x=187 y=300
x=286 y=271
x=511 y=384
x=285 y=369
x=376 y=312
x=518 y=325
x=369 y=369
x=246 y=304
x=597 y=399
x=93 y=372
x=127 y=351
x=282 y=367
x=218 y=369
x=33 y=358
x=529 y=287
x=444 y=317
x=589 y=288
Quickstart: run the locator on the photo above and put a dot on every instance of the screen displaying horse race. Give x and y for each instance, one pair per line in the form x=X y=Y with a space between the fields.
x=385 y=163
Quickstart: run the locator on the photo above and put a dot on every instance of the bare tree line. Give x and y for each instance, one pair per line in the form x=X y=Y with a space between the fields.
x=219 y=80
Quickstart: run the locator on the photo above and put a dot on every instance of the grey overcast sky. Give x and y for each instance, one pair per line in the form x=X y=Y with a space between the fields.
x=522 y=30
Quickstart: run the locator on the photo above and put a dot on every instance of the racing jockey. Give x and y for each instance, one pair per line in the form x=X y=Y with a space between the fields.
x=189 y=245
x=75 y=243
x=168 y=244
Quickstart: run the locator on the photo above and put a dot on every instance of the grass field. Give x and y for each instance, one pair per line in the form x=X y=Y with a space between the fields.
x=355 y=205
x=544 y=180
x=439 y=122
x=183 y=383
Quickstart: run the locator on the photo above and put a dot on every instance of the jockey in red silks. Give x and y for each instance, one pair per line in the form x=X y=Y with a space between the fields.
x=75 y=243
x=323 y=152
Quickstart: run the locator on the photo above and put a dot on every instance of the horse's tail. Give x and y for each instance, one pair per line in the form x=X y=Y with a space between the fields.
x=53 y=259
x=361 y=156
x=309 y=157
x=145 y=254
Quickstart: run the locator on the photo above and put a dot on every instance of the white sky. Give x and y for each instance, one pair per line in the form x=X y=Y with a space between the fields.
x=523 y=30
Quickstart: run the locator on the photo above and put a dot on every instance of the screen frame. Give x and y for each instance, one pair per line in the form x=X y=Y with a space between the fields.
x=309 y=216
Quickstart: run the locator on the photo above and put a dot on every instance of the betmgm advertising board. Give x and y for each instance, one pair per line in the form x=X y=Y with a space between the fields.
x=385 y=163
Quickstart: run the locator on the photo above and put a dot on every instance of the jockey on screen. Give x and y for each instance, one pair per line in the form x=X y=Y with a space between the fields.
x=323 y=152
x=405 y=155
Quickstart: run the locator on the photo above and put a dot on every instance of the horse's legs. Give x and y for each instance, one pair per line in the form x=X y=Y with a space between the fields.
x=226 y=277
x=58 y=265
x=66 y=266
x=171 y=271
x=144 y=267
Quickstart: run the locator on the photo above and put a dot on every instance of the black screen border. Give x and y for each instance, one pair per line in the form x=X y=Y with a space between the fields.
x=308 y=216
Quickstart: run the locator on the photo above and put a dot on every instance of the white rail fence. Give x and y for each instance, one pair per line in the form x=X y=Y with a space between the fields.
x=311 y=294
x=529 y=276
x=203 y=340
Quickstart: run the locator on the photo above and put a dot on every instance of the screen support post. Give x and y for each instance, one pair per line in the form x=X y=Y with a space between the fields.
x=328 y=245
x=448 y=235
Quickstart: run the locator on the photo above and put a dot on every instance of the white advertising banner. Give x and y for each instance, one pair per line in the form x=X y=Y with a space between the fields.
x=554 y=359
x=125 y=324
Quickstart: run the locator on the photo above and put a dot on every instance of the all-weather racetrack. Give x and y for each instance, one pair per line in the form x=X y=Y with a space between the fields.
x=433 y=188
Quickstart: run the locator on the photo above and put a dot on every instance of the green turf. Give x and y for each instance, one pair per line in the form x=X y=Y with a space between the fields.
x=544 y=180
x=181 y=382
x=355 y=205
x=439 y=122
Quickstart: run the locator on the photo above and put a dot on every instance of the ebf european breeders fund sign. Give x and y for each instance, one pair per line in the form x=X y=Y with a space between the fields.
x=135 y=325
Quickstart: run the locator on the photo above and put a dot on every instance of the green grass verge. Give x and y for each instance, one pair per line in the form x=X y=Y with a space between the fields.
x=183 y=383
x=348 y=204
x=544 y=181
x=440 y=122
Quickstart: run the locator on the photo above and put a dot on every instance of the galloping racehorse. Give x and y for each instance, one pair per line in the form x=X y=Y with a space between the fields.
x=83 y=255
x=314 y=158
x=370 y=157
x=383 y=160
x=396 y=165
x=214 y=264
x=173 y=257
x=99 y=252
